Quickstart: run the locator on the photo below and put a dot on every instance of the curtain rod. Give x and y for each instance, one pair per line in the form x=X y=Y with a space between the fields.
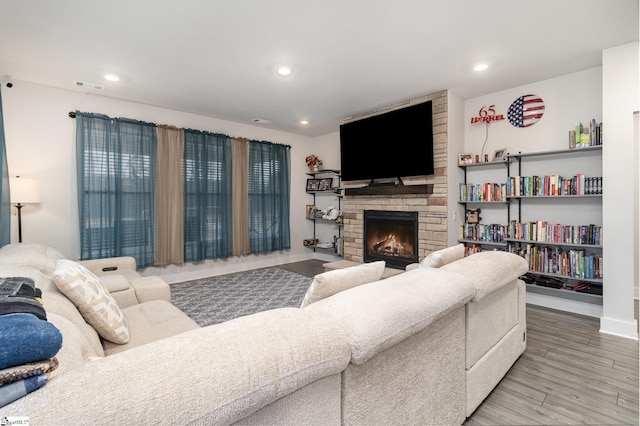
x=72 y=114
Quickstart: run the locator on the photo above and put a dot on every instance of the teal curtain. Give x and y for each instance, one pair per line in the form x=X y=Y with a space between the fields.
x=116 y=161
x=207 y=196
x=5 y=204
x=269 y=196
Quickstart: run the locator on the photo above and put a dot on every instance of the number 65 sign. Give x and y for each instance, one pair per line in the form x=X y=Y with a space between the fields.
x=487 y=115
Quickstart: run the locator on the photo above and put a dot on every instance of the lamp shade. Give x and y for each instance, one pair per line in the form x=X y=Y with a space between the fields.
x=24 y=191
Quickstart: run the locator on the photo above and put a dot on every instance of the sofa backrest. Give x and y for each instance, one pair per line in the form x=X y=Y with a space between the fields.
x=80 y=341
x=382 y=313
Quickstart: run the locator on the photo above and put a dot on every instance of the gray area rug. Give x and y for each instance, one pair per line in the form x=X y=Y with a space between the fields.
x=221 y=298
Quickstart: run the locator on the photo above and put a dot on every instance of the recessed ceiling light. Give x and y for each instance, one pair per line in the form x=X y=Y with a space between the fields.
x=111 y=77
x=480 y=67
x=304 y=122
x=284 y=71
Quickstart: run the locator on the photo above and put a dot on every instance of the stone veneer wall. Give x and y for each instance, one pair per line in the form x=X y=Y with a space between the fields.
x=432 y=209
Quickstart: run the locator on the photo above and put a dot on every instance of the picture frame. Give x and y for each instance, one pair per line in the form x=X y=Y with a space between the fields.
x=500 y=154
x=310 y=210
x=313 y=184
x=465 y=159
x=472 y=216
x=325 y=184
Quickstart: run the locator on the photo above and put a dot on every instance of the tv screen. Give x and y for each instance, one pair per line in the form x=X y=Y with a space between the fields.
x=394 y=144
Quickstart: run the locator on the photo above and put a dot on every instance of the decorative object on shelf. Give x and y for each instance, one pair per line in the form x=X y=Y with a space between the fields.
x=319 y=184
x=500 y=154
x=473 y=216
x=526 y=111
x=465 y=159
x=331 y=213
x=325 y=184
x=313 y=184
x=314 y=163
x=310 y=210
x=310 y=242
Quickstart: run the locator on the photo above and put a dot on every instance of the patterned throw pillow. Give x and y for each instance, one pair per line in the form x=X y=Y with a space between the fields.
x=93 y=301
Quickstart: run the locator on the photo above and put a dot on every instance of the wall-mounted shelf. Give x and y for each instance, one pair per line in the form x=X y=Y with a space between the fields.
x=390 y=190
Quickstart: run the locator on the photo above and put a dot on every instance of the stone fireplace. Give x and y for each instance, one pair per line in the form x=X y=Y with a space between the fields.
x=431 y=209
x=391 y=236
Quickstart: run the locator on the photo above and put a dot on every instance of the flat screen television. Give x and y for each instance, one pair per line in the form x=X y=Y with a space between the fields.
x=394 y=144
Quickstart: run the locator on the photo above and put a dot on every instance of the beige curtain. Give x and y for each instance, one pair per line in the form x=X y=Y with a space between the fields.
x=240 y=197
x=169 y=198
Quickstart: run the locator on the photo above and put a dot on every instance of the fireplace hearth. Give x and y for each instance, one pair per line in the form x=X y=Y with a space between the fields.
x=391 y=236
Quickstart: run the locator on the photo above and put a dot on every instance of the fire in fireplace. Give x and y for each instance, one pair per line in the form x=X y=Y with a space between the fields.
x=391 y=236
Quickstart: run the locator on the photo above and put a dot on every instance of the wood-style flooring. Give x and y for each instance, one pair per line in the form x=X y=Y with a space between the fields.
x=570 y=373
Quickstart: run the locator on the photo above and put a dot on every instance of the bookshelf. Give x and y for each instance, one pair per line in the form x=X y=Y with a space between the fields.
x=569 y=252
x=484 y=195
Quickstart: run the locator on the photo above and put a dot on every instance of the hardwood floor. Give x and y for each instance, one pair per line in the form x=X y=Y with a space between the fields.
x=570 y=373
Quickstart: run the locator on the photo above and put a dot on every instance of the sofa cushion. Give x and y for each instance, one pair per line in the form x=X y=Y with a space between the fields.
x=489 y=270
x=332 y=282
x=57 y=304
x=38 y=256
x=442 y=257
x=94 y=302
x=41 y=280
x=380 y=314
x=151 y=321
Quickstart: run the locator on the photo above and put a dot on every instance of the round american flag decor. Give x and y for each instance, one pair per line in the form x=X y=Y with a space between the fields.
x=526 y=110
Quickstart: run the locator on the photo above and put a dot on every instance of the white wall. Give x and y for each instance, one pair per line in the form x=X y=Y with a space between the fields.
x=40 y=142
x=620 y=101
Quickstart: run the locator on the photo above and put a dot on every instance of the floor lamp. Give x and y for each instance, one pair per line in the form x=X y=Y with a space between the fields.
x=23 y=191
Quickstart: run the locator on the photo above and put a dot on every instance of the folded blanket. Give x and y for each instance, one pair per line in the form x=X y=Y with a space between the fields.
x=19 y=294
x=19 y=372
x=25 y=338
x=12 y=391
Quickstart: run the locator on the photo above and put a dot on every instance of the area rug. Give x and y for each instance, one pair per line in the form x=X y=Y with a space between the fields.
x=221 y=298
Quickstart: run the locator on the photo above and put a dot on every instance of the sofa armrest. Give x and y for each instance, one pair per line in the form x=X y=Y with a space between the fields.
x=212 y=375
x=489 y=270
x=110 y=265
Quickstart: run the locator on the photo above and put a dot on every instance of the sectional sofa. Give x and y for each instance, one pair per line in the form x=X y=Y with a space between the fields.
x=422 y=347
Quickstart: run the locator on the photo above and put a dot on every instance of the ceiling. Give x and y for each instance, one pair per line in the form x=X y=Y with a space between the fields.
x=218 y=58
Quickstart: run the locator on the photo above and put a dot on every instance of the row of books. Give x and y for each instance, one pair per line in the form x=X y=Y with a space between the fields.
x=555 y=260
x=553 y=185
x=493 y=233
x=582 y=136
x=483 y=192
x=543 y=231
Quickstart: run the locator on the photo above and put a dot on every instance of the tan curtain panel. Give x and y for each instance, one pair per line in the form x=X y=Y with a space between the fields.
x=169 y=198
x=240 y=198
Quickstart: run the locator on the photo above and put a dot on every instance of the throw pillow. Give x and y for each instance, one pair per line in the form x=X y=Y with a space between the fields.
x=332 y=282
x=442 y=257
x=94 y=302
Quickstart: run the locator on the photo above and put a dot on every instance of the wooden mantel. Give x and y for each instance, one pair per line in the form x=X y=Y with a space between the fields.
x=425 y=189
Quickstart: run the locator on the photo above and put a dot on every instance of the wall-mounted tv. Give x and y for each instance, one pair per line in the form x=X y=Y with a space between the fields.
x=394 y=144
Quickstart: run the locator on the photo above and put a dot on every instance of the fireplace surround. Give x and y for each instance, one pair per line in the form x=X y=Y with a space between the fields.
x=391 y=236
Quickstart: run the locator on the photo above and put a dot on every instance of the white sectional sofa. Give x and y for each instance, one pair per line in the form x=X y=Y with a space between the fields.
x=422 y=347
